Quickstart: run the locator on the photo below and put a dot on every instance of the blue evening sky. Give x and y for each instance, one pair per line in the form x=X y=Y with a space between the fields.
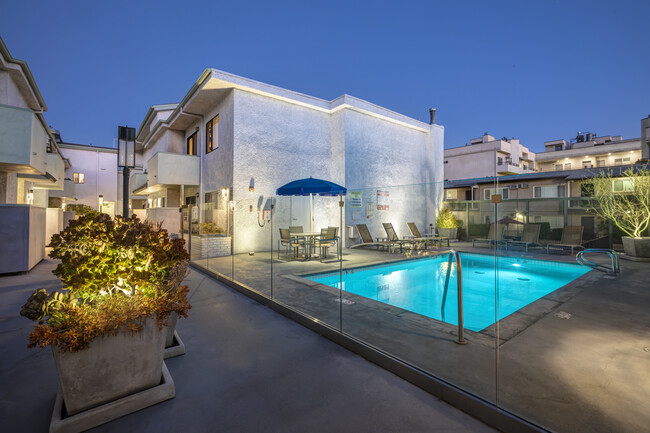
x=535 y=70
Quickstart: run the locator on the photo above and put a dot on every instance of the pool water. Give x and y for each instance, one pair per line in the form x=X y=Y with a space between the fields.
x=418 y=285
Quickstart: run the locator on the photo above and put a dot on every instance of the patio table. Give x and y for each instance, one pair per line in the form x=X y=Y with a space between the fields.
x=309 y=238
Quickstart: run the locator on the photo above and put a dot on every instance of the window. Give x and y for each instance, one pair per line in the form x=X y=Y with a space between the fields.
x=537 y=218
x=493 y=191
x=191 y=144
x=499 y=161
x=600 y=162
x=212 y=134
x=551 y=191
x=567 y=166
x=587 y=164
x=558 y=147
x=623 y=185
x=621 y=161
x=558 y=167
x=78 y=177
x=451 y=194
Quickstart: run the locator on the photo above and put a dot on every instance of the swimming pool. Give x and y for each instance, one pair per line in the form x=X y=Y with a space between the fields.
x=418 y=285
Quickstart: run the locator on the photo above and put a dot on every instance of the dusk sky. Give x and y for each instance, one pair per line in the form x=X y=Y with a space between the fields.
x=534 y=70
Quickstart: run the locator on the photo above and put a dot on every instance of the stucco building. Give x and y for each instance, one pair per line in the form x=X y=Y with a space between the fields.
x=90 y=178
x=589 y=151
x=233 y=141
x=488 y=156
x=31 y=165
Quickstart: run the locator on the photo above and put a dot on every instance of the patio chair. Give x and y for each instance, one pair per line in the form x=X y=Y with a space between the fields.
x=392 y=236
x=367 y=240
x=529 y=237
x=327 y=239
x=289 y=243
x=495 y=235
x=571 y=240
x=430 y=238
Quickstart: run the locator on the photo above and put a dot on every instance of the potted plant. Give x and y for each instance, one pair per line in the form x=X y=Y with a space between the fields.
x=625 y=201
x=447 y=224
x=107 y=326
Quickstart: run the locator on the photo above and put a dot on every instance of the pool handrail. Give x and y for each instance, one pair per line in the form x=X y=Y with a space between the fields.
x=612 y=255
x=453 y=254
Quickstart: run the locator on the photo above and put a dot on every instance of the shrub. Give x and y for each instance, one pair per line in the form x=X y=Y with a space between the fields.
x=481 y=230
x=79 y=209
x=210 y=229
x=115 y=274
x=447 y=220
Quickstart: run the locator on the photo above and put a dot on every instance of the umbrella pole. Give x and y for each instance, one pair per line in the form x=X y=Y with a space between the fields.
x=311 y=213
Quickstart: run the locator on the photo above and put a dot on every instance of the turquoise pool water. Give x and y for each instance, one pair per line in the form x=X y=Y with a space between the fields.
x=418 y=285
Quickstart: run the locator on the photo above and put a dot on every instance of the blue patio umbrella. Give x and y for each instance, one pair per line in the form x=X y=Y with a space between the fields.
x=311 y=186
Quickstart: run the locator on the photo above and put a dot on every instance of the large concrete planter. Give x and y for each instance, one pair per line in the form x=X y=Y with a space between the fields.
x=112 y=367
x=637 y=247
x=450 y=233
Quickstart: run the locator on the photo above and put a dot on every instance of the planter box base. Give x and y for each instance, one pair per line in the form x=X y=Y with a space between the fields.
x=633 y=258
x=102 y=414
x=176 y=349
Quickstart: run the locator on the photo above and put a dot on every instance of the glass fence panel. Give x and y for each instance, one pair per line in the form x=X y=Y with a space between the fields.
x=394 y=274
x=306 y=235
x=211 y=237
x=252 y=244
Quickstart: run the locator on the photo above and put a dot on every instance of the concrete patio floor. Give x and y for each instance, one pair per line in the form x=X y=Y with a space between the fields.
x=576 y=360
x=247 y=369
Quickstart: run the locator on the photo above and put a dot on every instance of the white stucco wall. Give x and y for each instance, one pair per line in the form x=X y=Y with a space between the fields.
x=99 y=166
x=9 y=93
x=276 y=142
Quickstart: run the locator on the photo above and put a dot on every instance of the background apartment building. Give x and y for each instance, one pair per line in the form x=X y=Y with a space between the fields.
x=487 y=156
x=31 y=165
x=589 y=151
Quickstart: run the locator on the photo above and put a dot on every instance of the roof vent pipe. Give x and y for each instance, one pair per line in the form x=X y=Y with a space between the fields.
x=432 y=116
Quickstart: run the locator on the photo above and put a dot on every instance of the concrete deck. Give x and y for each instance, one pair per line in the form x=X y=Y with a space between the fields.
x=247 y=369
x=576 y=360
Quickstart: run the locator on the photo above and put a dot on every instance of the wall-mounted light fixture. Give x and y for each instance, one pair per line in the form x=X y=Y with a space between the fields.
x=30 y=197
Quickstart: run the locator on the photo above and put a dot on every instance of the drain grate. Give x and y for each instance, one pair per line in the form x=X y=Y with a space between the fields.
x=345 y=301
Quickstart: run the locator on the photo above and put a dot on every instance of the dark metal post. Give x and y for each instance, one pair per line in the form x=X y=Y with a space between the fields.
x=125 y=192
x=125 y=160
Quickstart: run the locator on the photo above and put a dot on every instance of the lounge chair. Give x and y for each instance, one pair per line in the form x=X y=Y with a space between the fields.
x=571 y=240
x=392 y=237
x=367 y=240
x=495 y=235
x=432 y=239
x=529 y=237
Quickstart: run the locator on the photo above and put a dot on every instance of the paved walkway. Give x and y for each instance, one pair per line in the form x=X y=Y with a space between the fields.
x=247 y=369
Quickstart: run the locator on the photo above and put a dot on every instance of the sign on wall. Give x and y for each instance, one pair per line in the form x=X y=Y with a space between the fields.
x=370 y=210
x=356 y=199
x=383 y=198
